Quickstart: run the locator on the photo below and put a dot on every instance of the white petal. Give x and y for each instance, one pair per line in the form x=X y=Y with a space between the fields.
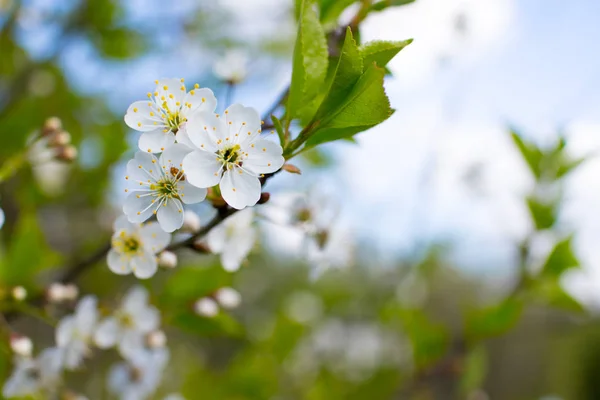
x=154 y=238
x=206 y=129
x=122 y=223
x=216 y=238
x=118 y=378
x=167 y=87
x=138 y=116
x=144 y=265
x=118 y=263
x=73 y=354
x=107 y=333
x=240 y=189
x=170 y=215
x=173 y=156
x=135 y=300
x=237 y=250
x=243 y=122
x=190 y=194
x=86 y=314
x=130 y=343
x=182 y=137
x=138 y=207
x=50 y=363
x=64 y=331
x=142 y=168
x=200 y=100
x=202 y=169
x=156 y=141
x=146 y=320
x=264 y=157
x=1 y=218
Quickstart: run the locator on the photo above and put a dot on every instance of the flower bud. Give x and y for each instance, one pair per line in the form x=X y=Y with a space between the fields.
x=21 y=345
x=191 y=222
x=156 y=339
x=66 y=153
x=167 y=259
x=264 y=197
x=59 y=139
x=57 y=292
x=228 y=298
x=206 y=307
x=71 y=292
x=19 y=293
x=201 y=247
x=291 y=169
x=51 y=125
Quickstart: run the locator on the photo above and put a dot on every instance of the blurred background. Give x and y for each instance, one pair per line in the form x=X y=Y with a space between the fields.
x=452 y=251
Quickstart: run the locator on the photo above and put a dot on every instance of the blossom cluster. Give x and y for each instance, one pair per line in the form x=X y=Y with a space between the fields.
x=133 y=329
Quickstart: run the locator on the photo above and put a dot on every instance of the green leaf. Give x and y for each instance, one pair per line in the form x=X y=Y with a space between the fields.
x=543 y=215
x=429 y=340
x=551 y=293
x=331 y=10
x=560 y=259
x=310 y=60
x=475 y=369
x=531 y=154
x=347 y=73
x=27 y=253
x=381 y=52
x=567 y=166
x=279 y=129
x=382 y=5
x=366 y=106
x=494 y=320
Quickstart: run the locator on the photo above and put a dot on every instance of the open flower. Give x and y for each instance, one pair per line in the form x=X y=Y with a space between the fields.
x=134 y=248
x=139 y=378
x=129 y=324
x=166 y=110
x=232 y=67
x=161 y=188
x=230 y=152
x=233 y=239
x=35 y=377
x=74 y=332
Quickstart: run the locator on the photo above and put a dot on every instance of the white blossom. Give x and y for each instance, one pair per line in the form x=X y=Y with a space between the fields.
x=161 y=116
x=57 y=292
x=21 y=345
x=134 y=248
x=228 y=298
x=206 y=307
x=167 y=259
x=229 y=151
x=138 y=378
x=160 y=188
x=130 y=324
x=233 y=239
x=74 y=332
x=19 y=293
x=232 y=67
x=34 y=377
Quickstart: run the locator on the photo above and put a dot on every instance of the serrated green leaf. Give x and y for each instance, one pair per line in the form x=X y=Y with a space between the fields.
x=310 y=60
x=543 y=215
x=381 y=52
x=382 y=5
x=348 y=71
x=561 y=258
x=366 y=106
x=494 y=320
x=530 y=153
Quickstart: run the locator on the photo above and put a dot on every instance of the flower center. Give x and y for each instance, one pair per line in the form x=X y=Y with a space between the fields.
x=230 y=156
x=129 y=245
x=173 y=119
x=126 y=320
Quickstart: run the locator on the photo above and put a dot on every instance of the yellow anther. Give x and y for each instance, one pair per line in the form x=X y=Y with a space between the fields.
x=162 y=98
x=178 y=104
x=165 y=87
x=139 y=124
x=183 y=88
x=151 y=114
x=196 y=86
x=192 y=92
x=269 y=164
x=249 y=133
x=149 y=94
x=233 y=189
x=135 y=110
x=182 y=80
x=156 y=93
x=264 y=149
x=203 y=99
x=156 y=82
x=170 y=96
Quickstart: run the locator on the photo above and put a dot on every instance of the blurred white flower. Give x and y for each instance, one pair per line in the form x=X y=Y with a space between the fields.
x=191 y=222
x=167 y=259
x=134 y=248
x=206 y=307
x=232 y=67
x=233 y=239
x=139 y=378
x=57 y=292
x=35 y=377
x=160 y=188
x=174 y=396
x=21 y=345
x=129 y=324
x=166 y=110
x=228 y=298
x=74 y=332
x=19 y=293
x=229 y=151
